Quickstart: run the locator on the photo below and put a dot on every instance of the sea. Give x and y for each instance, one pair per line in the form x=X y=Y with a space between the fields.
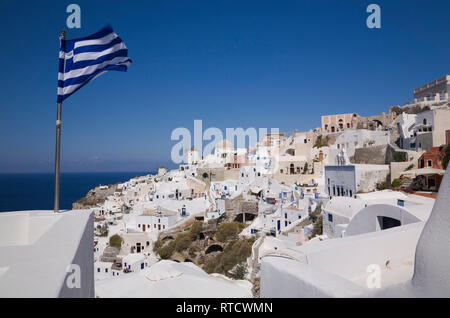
x=34 y=191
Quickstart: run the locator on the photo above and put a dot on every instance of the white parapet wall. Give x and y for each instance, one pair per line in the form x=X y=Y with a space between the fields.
x=331 y=269
x=47 y=254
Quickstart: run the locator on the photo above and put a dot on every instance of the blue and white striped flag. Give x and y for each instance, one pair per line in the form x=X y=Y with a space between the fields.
x=81 y=60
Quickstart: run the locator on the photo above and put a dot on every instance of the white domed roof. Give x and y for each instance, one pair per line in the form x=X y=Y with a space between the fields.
x=158 y=272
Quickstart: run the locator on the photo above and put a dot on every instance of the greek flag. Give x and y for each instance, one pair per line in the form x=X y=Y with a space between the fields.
x=82 y=60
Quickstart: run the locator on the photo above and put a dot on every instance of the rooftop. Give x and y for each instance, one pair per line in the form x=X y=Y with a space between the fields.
x=36 y=248
x=175 y=280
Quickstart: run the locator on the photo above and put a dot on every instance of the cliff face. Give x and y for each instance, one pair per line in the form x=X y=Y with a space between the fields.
x=94 y=197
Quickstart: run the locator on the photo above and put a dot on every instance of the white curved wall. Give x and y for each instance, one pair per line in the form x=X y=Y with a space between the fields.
x=366 y=220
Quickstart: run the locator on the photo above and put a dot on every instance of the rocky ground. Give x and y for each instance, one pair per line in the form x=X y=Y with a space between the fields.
x=94 y=197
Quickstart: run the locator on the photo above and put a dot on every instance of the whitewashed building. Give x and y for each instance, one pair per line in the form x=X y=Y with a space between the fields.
x=134 y=262
x=348 y=180
x=156 y=220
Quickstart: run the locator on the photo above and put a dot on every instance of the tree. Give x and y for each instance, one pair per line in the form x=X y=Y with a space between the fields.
x=239 y=271
x=182 y=242
x=157 y=245
x=115 y=241
x=396 y=183
x=445 y=156
x=305 y=168
x=321 y=142
x=397 y=110
x=400 y=156
x=227 y=230
x=167 y=251
x=234 y=253
x=195 y=230
x=318 y=227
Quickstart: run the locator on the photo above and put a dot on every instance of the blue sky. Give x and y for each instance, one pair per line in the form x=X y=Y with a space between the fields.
x=230 y=63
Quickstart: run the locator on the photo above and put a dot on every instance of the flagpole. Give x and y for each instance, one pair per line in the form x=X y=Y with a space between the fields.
x=58 y=144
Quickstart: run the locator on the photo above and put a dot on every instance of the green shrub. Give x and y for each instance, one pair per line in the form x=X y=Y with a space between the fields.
x=317 y=227
x=157 y=245
x=382 y=186
x=195 y=230
x=235 y=252
x=239 y=271
x=321 y=142
x=396 y=109
x=193 y=250
x=167 y=251
x=182 y=242
x=305 y=168
x=400 y=156
x=115 y=241
x=227 y=230
x=445 y=156
x=409 y=167
x=396 y=183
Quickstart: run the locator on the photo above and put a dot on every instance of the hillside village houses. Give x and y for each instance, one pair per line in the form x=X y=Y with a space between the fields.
x=369 y=181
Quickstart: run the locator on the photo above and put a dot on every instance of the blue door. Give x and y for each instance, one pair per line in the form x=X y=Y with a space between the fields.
x=278 y=225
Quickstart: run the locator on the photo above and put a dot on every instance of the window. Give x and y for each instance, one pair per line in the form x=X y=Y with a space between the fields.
x=330 y=217
x=334 y=190
x=431 y=182
x=429 y=163
x=98 y=270
x=285 y=215
x=106 y=270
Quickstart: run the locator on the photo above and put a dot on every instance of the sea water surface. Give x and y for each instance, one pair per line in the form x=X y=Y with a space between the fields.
x=34 y=191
